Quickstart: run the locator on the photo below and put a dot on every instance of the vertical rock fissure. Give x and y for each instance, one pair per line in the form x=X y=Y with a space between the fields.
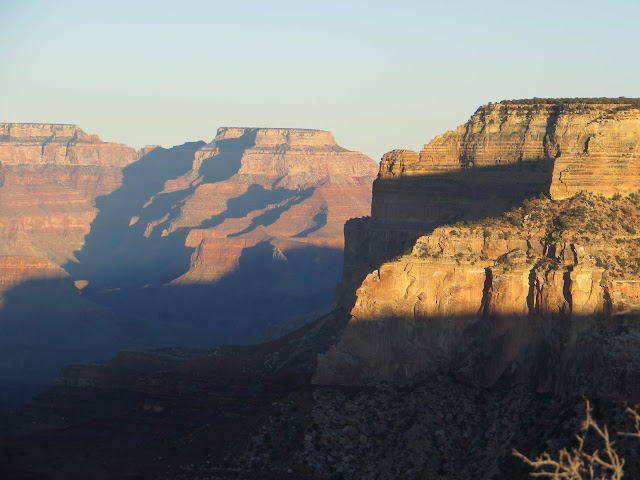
x=486 y=293
x=607 y=302
x=531 y=296
x=551 y=149
x=566 y=291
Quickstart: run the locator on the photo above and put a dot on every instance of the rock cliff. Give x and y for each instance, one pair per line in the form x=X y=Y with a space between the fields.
x=514 y=148
x=50 y=176
x=153 y=238
x=506 y=298
x=505 y=153
x=292 y=188
x=256 y=213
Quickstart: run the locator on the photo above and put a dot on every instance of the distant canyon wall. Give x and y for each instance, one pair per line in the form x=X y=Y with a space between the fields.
x=162 y=247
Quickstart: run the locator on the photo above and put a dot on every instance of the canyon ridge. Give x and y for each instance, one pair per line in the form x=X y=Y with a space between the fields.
x=105 y=248
x=494 y=286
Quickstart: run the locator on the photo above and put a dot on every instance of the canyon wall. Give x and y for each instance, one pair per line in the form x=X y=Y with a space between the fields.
x=532 y=294
x=506 y=151
x=50 y=176
x=162 y=247
x=256 y=213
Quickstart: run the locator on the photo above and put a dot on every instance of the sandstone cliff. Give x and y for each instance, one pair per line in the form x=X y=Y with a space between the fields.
x=558 y=149
x=50 y=176
x=292 y=188
x=505 y=153
x=506 y=299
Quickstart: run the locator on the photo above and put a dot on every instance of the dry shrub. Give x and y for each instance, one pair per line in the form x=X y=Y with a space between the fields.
x=578 y=464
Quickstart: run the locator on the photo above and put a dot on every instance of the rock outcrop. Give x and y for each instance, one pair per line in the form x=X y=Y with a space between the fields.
x=507 y=299
x=507 y=150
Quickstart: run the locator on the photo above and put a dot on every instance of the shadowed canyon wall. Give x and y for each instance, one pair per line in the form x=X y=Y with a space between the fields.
x=193 y=245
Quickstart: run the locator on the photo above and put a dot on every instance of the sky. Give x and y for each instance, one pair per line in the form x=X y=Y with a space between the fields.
x=378 y=74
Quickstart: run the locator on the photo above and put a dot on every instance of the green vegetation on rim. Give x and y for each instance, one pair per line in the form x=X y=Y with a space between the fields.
x=559 y=105
x=570 y=101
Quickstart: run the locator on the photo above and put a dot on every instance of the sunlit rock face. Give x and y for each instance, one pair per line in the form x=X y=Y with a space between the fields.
x=533 y=295
x=292 y=188
x=505 y=153
x=556 y=149
x=50 y=176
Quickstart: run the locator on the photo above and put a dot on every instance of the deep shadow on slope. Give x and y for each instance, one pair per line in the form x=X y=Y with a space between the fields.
x=319 y=219
x=205 y=417
x=111 y=242
x=64 y=325
x=214 y=397
x=262 y=292
x=406 y=208
x=46 y=324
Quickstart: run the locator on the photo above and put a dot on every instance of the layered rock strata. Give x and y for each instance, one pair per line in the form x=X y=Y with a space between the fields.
x=507 y=150
x=509 y=299
x=257 y=213
x=292 y=188
x=522 y=298
x=50 y=176
x=505 y=153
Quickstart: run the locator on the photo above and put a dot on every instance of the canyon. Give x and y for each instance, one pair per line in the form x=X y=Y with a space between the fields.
x=105 y=248
x=494 y=286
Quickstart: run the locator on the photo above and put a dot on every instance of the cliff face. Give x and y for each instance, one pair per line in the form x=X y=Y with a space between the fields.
x=154 y=238
x=292 y=188
x=555 y=149
x=50 y=176
x=507 y=299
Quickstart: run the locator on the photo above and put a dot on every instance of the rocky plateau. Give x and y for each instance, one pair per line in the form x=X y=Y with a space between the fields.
x=495 y=285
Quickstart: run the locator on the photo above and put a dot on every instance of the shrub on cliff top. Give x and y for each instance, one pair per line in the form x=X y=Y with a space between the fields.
x=572 y=101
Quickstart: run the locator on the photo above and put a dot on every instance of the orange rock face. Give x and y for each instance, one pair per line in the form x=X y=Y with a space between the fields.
x=15 y=270
x=50 y=176
x=291 y=188
x=505 y=151
x=422 y=313
x=528 y=296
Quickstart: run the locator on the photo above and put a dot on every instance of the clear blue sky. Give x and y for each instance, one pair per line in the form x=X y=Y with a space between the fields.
x=380 y=75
